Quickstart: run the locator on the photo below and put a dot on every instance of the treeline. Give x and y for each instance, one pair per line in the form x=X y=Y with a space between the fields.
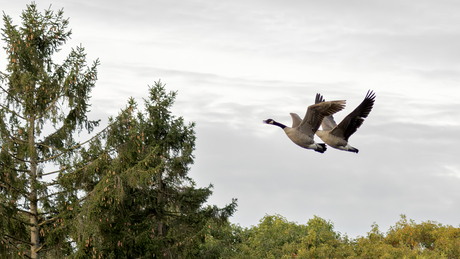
x=275 y=237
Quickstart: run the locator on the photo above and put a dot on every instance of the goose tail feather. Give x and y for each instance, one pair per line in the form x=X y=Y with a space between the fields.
x=352 y=149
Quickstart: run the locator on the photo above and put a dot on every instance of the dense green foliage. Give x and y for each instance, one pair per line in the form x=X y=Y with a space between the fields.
x=275 y=237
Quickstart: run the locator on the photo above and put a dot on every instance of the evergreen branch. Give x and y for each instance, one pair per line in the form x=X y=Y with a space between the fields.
x=50 y=184
x=47 y=221
x=17 y=139
x=86 y=196
x=40 y=144
x=50 y=195
x=49 y=106
x=17 y=158
x=3 y=88
x=21 y=170
x=45 y=140
x=20 y=240
x=49 y=212
x=76 y=146
x=99 y=133
x=14 y=138
x=172 y=213
x=24 y=222
x=52 y=172
x=13 y=112
x=40 y=248
x=14 y=188
x=25 y=212
x=17 y=100
x=91 y=162
x=49 y=158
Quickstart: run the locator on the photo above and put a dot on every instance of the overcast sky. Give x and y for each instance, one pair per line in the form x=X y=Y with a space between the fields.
x=236 y=63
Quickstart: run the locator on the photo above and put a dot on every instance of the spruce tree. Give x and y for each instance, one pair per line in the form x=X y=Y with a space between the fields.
x=43 y=106
x=143 y=204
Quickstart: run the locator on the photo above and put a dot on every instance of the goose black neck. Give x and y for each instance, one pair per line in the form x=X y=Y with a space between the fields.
x=279 y=124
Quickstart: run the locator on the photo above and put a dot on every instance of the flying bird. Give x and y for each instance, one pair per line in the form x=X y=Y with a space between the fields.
x=303 y=131
x=337 y=136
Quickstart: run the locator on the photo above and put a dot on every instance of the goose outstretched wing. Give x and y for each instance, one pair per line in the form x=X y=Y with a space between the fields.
x=355 y=119
x=316 y=113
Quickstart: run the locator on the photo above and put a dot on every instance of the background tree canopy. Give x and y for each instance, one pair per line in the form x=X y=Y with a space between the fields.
x=275 y=237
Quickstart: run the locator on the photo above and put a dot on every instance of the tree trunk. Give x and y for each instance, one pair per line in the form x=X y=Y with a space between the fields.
x=159 y=202
x=34 y=228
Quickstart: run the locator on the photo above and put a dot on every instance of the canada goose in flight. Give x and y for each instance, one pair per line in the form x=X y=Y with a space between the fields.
x=337 y=136
x=303 y=131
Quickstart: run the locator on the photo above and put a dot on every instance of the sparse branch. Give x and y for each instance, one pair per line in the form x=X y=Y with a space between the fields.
x=21 y=170
x=3 y=74
x=76 y=146
x=50 y=195
x=4 y=90
x=86 y=196
x=19 y=240
x=14 y=138
x=99 y=133
x=7 y=185
x=50 y=158
x=25 y=212
x=57 y=171
x=40 y=144
x=22 y=222
x=91 y=162
x=50 y=184
x=49 y=106
x=48 y=212
x=17 y=158
x=18 y=140
x=48 y=220
x=13 y=112
x=40 y=248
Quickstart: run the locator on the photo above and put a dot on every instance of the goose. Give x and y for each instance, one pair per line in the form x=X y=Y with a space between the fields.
x=303 y=131
x=337 y=136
